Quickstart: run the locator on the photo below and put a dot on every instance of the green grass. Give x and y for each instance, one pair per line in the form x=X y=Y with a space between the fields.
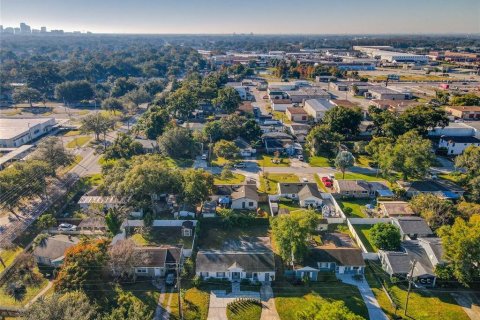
x=281 y=116
x=76 y=161
x=455 y=177
x=220 y=161
x=213 y=235
x=161 y=236
x=423 y=304
x=78 y=142
x=268 y=182
x=31 y=292
x=242 y=310
x=9 y=255
x=174 y=309
x=266 y=161
x=290 y=299
x=364 y=231
x=72 y=133
x=94 y=179
x=362 y=161
x=196 y=302
x=357 y=206
x=320 y=161
x=236 y=179
x=289 y=204
x=358 y=176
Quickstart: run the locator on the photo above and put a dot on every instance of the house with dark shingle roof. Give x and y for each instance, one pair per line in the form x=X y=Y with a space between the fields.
x=244 y=258
x=156 y=261
x=426 y=252
x=245 y=197
x=358 y=188
x=412 y=227
x=330 y=258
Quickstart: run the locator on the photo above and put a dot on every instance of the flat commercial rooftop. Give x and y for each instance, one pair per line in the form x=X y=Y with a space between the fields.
x=12 y=127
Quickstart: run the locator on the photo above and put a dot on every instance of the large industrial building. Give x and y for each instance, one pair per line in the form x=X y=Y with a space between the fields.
x=15 y=132
x=386 y=53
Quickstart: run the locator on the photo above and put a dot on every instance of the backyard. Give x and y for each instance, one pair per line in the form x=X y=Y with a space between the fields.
x=423 y=304
x=290 y=299
x=269 y=181
x=355 y=206
x=214 y=234
x=363 y=231
x=162 y=236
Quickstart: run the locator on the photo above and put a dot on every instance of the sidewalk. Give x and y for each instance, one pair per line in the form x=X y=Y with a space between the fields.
x=374 y=310
x=269 y=310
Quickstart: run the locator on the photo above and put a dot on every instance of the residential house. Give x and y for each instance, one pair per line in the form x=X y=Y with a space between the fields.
x=149 y=146
x=296 y=114
x=385 y=93
x=281 y=104
x=330 y=258
x=249 y=258
x=306 y=93
x=245 y=197
x=395 y=209
x=93 y=224
x=156 y=261
x=412 y=228
x=107 y=202
x=246 y=150
x=358 y=188
x=397 y=106
x=427 y=254
x=316 y=108
x=298 y=130
x=456 y=145
x=307 y=194
x=442 y=188
x=242 y=90
x=209 y=209
x=464 y=112
x=51 y=251
x=282 y=142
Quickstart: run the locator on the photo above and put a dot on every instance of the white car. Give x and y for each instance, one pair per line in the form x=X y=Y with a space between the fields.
x=240 y=165
x=204 y=156
x=66 y=227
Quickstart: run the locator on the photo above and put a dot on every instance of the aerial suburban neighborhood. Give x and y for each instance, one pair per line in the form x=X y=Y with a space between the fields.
x=238 y=176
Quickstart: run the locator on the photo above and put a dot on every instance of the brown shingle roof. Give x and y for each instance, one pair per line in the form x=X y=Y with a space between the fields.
x=294 y=110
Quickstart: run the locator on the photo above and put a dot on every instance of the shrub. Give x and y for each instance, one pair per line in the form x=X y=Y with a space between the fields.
x=16 y=290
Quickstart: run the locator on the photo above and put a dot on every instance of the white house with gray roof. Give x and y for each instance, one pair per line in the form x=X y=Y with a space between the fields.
x=317 y=108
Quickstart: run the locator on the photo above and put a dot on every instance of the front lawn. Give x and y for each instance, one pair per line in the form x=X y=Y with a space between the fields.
x=21 y=299
x=269 y=181
x=363 y=231
x=220 y=161
x=78 y=142
x=424 y=304
x=281 y=116
x=244 y=309
x=267 y=161
x=196 y=302
x=291 y=299
x=357 y=206
x=358 y=176
x=236 y=179
x=8 y=255
x=363 y=161
x=320 y=161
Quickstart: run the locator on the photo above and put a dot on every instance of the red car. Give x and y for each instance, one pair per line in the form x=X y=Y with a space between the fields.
x=325 y=179
x=327 y=184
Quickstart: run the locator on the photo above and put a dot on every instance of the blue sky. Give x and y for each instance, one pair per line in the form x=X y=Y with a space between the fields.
x=244 y=16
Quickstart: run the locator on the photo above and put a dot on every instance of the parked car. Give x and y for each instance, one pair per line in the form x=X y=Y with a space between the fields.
x=328 y=184
x=170 y=279
x=300 y=157
x=325 y=179
x=304 y=179
x=204 y=156
x=240 y=165
x=66 y=227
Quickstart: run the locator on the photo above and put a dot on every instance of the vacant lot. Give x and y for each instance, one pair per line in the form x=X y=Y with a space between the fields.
x=267 y=161
x=423 y=304
x=214 y=234
x=356 y=205
x=320 y=161
x=236 y=179
x=78 y=142
x=269 y=182
x=290 y=299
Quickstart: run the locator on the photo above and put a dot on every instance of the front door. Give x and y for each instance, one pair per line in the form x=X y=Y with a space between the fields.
x=157 y=272
x=267 y=276
x=235 y=276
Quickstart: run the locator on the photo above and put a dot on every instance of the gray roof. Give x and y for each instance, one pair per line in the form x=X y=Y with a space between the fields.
x=248 y=191
x=361 y=185
x=309 y=190
x=293 y=188
x=413 y=225
x=157 y=256
x=430 y=186
x=399 y=262
x=221 y=261
x=340 y=255
x=55 y=246
x=319 y=104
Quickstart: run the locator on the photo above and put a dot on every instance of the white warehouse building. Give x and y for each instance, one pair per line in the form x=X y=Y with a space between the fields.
x=15 y=132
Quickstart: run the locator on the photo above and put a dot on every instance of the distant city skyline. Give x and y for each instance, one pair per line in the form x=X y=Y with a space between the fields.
x=259 y=17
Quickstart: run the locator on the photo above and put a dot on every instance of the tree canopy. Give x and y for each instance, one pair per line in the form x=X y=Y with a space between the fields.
x=178 y=143
x=386 y=236
x=342 y=120
x=72 y=91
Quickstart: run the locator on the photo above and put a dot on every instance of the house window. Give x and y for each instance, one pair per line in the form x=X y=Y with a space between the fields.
x=204 y=274
x=187 y=232
x=250 y=204
x=220 y=274
x=324 y=264
x=248 y=275
x=141 y=270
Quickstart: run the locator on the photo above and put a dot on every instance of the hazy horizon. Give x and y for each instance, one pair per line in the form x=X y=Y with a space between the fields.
x=268 y=17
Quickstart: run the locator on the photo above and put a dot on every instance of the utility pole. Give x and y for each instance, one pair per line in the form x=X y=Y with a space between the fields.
x=179 y=282
x=410 y=280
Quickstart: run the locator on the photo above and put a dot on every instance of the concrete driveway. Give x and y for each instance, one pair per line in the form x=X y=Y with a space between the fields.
x=219 y=300
x=374 y=310
x=269 y=310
